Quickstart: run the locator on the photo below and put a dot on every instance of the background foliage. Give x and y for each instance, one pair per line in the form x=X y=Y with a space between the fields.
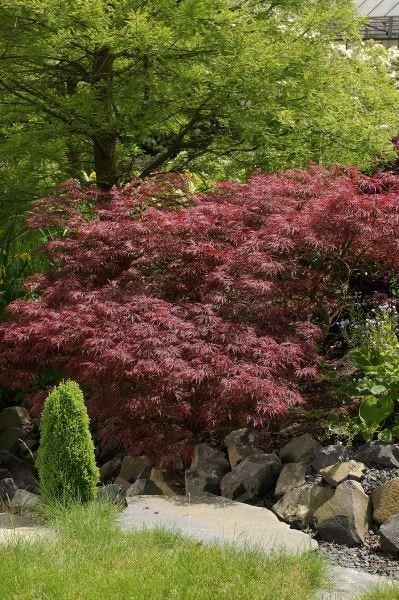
x=217 y=87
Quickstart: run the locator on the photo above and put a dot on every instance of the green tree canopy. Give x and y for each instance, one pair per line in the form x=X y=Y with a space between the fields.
x=218 y=86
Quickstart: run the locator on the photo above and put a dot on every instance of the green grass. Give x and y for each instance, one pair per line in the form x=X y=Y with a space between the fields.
x=89 y=559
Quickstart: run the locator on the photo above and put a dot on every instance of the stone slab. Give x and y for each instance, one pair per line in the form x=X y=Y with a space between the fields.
x=29 y=534
x=213 y=519
x=349 y=584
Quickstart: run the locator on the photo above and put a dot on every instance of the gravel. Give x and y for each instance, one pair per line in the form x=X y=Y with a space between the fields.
x=377 y=476
x=368 y=558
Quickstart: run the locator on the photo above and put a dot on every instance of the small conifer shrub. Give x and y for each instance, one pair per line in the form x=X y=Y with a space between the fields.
x=66 y=462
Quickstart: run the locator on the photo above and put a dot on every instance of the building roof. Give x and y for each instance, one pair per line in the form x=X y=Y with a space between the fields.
x=378 y=8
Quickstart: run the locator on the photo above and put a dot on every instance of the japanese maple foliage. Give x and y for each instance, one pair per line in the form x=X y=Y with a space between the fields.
x=180 y=312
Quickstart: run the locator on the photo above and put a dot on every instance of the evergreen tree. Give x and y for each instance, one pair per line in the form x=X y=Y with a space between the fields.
x=66 y=461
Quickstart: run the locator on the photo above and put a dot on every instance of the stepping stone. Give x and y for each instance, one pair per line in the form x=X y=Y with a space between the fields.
x=349 y=584
x=31 y=534
x=12 y=521
x=213 y=519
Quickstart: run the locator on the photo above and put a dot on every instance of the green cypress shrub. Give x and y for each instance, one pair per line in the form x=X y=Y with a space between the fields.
x=66 y=462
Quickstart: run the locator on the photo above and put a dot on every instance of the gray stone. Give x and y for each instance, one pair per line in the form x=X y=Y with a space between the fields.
x=143 y=487
x=14 y=416
x=301 y=449
x=209 y=461
x=242 y=437
x=345 y=518
x=292 y=476
x=8 y=488
x=11 y=462
x=135 y=467
x=169 y=483
x=4 y=474
x=122 y=483
x=336 y=474
x=376 y=453
x=252 y=478
x=389 y=535
x=348 y=584
x=297 y=506
x=215 y=520
x=11 y=521
x=238 y=453
x=10 y=439
x=385 y=501
x=110 y=470
x=327 y=456
x=112 y=493
x=24 y=499
x=198 y=483
x=20 y=472
x=203 y=453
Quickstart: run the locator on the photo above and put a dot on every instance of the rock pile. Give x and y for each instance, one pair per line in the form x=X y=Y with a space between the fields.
x=18 y=444
x=341 y=496
x=319 y=489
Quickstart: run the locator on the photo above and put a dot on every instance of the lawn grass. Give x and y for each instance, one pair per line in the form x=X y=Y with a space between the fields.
x=89 y=559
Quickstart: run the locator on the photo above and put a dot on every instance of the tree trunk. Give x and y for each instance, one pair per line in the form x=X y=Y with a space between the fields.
x=104 y=140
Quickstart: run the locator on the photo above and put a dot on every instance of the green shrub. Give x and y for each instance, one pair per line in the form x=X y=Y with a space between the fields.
x=66 y=462
x=376 y=355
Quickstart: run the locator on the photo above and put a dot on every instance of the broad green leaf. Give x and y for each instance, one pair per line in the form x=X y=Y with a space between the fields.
x=373 y=411
x=386 y=436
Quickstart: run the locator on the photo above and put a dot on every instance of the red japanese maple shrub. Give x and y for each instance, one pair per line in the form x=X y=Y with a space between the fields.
x=180 y=320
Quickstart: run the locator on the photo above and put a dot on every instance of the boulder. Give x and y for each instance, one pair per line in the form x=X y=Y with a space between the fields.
x=8 y=488
x=122 y=483
x=252 y=478
x=336 y=474
x=327 y=456
x=110 y=469
x=135 y=467
x=297 y=506
x=242 y=437
x=24 y=499
x=168 y=483
x=108 y=450
x=389 y=535
x=344 y=518
x=238 y=453
x=208 y=460
x=200 y=483
x=20 y=472
x=143 y=487
x=10 y=439
x=376 y=453
x=207 y=469
x=11 y=462
x=4 y=473
x=112 y=493
x=301 y=449
x=385 y=501
x=14 y=416
x=292 y=476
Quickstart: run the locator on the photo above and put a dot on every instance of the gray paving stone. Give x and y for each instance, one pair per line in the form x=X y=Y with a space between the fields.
x=215 y=519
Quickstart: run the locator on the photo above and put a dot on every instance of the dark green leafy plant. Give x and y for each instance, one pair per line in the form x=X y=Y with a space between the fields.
x=66 y=462
x=377 y=357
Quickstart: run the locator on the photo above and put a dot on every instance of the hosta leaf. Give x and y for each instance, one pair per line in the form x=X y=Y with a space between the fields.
x=373 y=411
